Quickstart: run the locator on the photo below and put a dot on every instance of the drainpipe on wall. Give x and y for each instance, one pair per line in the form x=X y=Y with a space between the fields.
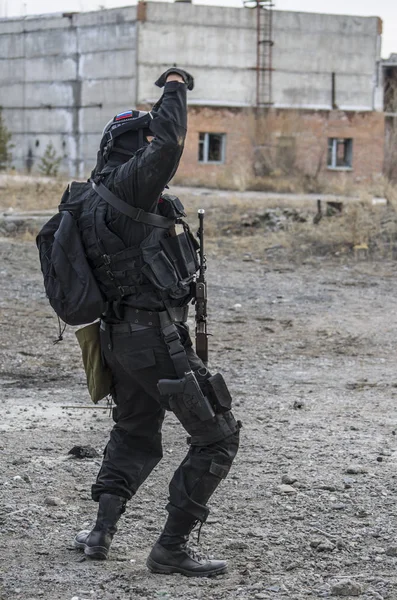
x=334 y=105
x=141 y=16
x=378 y=70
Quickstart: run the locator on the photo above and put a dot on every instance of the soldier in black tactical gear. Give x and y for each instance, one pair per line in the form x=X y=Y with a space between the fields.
x=146 y=273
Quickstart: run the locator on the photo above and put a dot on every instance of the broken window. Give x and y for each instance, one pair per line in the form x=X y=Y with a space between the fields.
x=340 y=153
x=211 y=147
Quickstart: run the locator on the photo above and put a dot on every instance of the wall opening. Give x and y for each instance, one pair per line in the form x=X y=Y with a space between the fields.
x=390 y=89
x=211 y=147
x=391 y=148
x=340 y=153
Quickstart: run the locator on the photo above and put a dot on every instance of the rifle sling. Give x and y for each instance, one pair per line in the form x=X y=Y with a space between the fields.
x=137 y=214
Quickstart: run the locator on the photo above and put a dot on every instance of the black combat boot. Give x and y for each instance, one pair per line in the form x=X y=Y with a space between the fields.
x=96 y=543
x=171 y=554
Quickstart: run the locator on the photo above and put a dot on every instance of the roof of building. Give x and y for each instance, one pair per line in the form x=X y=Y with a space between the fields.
x=392 y=60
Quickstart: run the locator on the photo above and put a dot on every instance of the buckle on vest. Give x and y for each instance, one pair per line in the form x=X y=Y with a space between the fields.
x=170 y=333
x=106 y=259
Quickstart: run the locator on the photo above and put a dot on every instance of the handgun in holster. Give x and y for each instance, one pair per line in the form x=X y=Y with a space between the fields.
x=190 y=391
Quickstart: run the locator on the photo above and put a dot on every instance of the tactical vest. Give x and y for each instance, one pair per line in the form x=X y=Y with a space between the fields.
x=162 y=267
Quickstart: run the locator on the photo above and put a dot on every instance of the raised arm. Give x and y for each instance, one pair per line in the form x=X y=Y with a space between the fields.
x=145 y=175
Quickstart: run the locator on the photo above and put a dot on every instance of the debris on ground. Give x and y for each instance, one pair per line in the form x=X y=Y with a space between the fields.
x=83 y=452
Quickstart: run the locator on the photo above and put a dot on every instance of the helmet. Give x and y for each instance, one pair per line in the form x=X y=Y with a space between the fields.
x=122 y=136
x=136 y=121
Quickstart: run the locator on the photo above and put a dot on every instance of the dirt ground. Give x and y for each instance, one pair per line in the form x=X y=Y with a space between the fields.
x=309 y=508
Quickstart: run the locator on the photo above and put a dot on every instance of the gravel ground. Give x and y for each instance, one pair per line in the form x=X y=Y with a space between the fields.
x=309 y=508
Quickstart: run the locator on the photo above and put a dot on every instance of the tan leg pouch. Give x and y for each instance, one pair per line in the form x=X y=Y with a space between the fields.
x=99 y=377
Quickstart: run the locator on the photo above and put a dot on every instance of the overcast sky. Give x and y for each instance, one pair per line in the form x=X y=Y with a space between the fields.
x=386 y=9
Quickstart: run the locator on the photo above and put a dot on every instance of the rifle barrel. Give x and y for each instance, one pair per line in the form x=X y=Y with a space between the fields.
x=201 y=213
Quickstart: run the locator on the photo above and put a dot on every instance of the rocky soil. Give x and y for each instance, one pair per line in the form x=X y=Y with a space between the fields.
x=309 y=508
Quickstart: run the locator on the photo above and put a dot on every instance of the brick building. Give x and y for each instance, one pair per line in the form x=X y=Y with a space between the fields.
x=276 y=92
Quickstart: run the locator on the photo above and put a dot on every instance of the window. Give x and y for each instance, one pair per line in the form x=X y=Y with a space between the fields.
x=211 y=147
x=340 y=153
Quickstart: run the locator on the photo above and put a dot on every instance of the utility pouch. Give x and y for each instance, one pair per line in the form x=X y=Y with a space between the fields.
x=182 y=254
x=164 y=267
x=159 y=269
x=171 y=207
x=171 y=264
x=99 y=377
x=219 y=393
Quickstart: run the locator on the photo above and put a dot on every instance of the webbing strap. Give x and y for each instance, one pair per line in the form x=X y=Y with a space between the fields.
x=137 y=214
x=125 y=290
x=174 y=344
x=117 y=257
x=178 y=314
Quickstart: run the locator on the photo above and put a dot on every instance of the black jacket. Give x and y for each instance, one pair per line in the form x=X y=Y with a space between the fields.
x=140 y=182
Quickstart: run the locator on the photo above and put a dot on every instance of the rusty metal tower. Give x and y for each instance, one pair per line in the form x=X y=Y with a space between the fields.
x=264 y=47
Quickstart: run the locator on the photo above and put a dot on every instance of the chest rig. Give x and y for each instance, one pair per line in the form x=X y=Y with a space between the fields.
x=164 y=264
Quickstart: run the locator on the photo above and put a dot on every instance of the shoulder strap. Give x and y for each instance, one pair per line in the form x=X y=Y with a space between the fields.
x=137 y=214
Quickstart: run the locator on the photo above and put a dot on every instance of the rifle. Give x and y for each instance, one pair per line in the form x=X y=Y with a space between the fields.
x=201 y=297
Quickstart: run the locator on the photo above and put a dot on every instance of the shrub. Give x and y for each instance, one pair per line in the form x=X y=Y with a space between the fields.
x=49 y=162
x=5 y=144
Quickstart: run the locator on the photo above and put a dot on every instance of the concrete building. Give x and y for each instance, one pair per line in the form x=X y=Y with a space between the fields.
x=63 y=76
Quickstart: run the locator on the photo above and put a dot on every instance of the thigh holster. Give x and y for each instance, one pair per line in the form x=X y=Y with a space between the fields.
x=204 y=410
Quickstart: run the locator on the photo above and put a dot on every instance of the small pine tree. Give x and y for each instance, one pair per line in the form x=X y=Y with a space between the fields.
x=49 y=162
x=5 y=144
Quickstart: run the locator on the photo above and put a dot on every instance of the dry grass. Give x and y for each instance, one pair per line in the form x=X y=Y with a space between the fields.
x=27 y=236
x=28 y=193
x=334 y=236
x=361 y=229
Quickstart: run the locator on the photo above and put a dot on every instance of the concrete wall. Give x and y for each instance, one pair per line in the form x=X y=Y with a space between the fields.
x=62 y=78
x=310 y=47
x=218 y=45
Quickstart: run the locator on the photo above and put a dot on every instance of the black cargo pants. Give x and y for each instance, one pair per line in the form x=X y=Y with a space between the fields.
x=138 y=359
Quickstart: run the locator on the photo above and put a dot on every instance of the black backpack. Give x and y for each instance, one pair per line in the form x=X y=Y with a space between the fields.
x=69 y=283
x=68 y=280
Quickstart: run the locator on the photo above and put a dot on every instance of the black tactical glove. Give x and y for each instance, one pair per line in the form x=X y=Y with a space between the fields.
x=187 y=78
